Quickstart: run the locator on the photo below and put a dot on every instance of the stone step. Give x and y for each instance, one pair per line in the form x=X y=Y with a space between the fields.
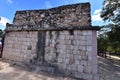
x=36 y=68
x=4 y=65
x=45 y=69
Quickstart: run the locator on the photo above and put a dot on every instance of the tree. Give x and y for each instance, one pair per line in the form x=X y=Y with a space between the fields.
x=111 y=11
x=102 y=40
x=1 y=33
x=114 y=40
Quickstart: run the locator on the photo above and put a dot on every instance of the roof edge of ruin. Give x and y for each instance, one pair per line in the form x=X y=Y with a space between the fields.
x=11 y=27
x=57 y=7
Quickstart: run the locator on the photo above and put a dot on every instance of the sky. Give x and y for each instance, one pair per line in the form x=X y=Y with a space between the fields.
x=9 y=7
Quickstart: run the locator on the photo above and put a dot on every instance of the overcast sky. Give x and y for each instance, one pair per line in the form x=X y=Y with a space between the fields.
x=9 y=7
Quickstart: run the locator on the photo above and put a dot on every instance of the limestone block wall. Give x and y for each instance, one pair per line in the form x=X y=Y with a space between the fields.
x=73 y=51
x=20 y=45
x=60 y=37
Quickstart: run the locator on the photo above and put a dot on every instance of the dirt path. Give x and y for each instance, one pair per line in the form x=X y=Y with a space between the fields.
x=107 y=71
x=21 y=72
x=17 y=73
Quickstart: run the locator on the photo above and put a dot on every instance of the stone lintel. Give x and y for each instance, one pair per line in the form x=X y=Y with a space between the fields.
x=11 y=27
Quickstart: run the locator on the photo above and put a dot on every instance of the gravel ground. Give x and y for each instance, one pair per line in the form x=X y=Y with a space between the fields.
x=17 y=73
x=107 y=70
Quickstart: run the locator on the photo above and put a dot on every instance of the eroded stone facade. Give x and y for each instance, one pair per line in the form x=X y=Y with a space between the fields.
x=73 y=52
x=20 y=46
x=60 y=37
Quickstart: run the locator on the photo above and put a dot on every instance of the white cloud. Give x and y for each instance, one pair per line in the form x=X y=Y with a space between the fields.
x=97 y=11
x=3 y=21
x=10 y=1
x=96 y=15
x=48 y=4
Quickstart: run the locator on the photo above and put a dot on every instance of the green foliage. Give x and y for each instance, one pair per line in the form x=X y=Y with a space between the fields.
x=102 y=40
x=110 y=40
x=114 y=39
x=111 y=11
x=1 y=33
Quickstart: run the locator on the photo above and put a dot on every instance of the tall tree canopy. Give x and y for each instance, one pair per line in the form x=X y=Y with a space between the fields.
x=111 y=11
x=1 y=33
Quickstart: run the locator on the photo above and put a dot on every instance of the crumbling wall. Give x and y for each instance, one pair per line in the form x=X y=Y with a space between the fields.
x=64 y=16
x=61 y=37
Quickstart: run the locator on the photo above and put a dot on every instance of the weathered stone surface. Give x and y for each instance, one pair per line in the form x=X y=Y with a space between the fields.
x=4 y=65
x=20 y=48
x=70 y=15
x=60 y=38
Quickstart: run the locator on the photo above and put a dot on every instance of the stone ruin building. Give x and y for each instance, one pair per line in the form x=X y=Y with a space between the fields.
x=60 y=37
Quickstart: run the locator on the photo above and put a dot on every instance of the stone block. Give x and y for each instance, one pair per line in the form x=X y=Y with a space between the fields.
x=62 y=37
x=94 y=69
x=90 y=58
x=61 y=33
x=64 y=65
x=71 y=47
x=67 y=60
x=71 y=37
x=88 y=76
x=89 y=42
x=64 y=47
x=83 y=38
x=66 y=32
x=4 y=65
x=49 y=57
x=60 y=60
x=68 y=55
x=77 y=62
x=83 y=43
x=73 y=68
x=79 y=57
x=89 y=48
x=75 y=32
x=74 y=51
x=80 y=68
x=85 y=33
x=68 y=47
x=62 y=55
x=75 y=47
x=87 y=69
x=66 y=37
x=83 y=62
x=95 y=77
x=84 y=57
x=83 y=48
x=77 y=37
x=89 y=33
x=89 y=38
